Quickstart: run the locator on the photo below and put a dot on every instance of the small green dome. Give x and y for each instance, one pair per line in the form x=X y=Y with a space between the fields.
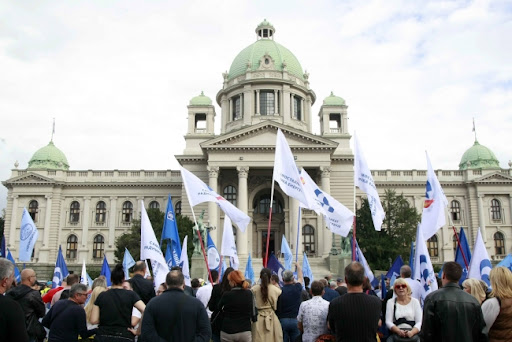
x=49 y=157
x=201 y=100
x=478 y=157
x=333 y=100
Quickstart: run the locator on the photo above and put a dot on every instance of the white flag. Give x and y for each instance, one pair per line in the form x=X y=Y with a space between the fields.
x=83 y=278
x=28 y=236
x=228 y=247
x=480 y=265
x=286 y=173
x=433 y=216
x=338 y=218
x=184 y=262
x=199 y=192
x=363 y=180
x=362 y=260
x=150 y=248
x=423 y=270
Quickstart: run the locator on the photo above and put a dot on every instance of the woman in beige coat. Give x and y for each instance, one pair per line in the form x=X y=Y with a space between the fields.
x=267 y=328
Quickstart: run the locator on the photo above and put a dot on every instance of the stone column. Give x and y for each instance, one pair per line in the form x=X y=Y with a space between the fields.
x=481 y=218
x=326 y=186
x=47 y=220
x=241 y=105
x=276 y=107
x=85 y=221
x=230 y=109
x=257 y=102
x=14 y=220
x=242 y=201
x=113 y=220
x=510 y=207
x=224 y=104
x=213 y=208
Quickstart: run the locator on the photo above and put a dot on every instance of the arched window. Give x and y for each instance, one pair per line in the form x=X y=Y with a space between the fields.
x=495 y=209
x=98 y=247
x=308 y=239
x=262 y=205
x=74 y=212
x=33 y=207
x=101 y=212
x=455 y=210
x=230 y=194
x=177 y=208
x=432 y=246
x=154 y=205
x=499 y=243
x=71 y=247
x=127 y=212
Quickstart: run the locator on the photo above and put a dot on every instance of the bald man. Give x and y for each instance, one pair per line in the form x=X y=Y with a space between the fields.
x=31 y=303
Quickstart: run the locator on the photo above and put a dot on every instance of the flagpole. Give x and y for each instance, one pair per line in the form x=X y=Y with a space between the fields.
x=298 y=232
x=202 y=245
x=354 y=228
x=458 y=242
x=269 y=221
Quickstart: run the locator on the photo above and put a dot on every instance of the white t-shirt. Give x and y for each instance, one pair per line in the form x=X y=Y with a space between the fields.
x=411 y=312
x=204 y=294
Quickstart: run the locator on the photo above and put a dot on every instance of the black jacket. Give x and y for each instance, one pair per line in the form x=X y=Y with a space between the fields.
x=143 y=287
x=30 y=300
x=450 y=314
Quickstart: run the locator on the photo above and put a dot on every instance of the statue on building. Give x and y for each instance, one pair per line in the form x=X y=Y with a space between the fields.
x=200 y=226
x=346 y=245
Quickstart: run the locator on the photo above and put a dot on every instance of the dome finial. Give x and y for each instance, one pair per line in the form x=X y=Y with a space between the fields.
x=474 y=130
x=53 y=130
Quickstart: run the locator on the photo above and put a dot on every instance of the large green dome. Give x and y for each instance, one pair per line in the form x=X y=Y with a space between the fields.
x=49 y=157
x=478 y=157
x=266 y=45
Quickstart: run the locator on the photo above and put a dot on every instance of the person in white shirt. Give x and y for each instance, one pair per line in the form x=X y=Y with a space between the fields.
x=205 y=292
x=312 y=317
x=417 y=290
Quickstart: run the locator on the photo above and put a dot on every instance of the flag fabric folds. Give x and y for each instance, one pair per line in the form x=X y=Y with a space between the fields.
x=89 y=280
x=184 y=262
x=228 y=247
x=360 y=257
x=128 y=262
x=286 y=173
x=363 y=180
x=288 y=256
x=395 y=268
x=306 y=268
x=507 y=262
x=383 y=288
x=3 y=252
x=199 y=192
x=480 y=265
x=17 y=274
x=338 y=218
x=105 y=271
x=60 y=271
x=275 y=266
x=28 y=236
x=249 y=271
x=213 y=254
x=423 y=270
x=433 y=216
x=170 y=233
x=83 y=277
x=467 y=253
x=411 y=257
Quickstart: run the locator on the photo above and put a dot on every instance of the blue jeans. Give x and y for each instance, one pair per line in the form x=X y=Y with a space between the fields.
x=290 y=329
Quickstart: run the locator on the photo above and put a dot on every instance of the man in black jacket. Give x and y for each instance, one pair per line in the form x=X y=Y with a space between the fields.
x=450 y=314
x=142 y=286
x=174 y=316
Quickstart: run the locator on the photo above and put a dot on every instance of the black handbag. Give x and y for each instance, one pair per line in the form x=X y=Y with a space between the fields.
x=254 y=314
x=35 y=328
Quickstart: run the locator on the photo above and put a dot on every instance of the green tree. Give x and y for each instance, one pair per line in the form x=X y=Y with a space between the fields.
x=397 y=233
x=131 y=239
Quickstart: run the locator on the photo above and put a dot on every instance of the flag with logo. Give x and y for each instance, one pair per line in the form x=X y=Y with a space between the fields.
x=61 y=270
x=395 y=268
x=184 y=262
x=467 y=253
x=213 y=254
x=276 y=267
x=433 y=216
x=423 y=270
x=199 y=192
x=338 y=218
x=170 y=233
x=360 y=257
x=128 y=262
x=17 y=274
x=480 y=265
x=249 y=271
x=105 y=271
x=363 y=180
x=228 y=247
x=288 y=256
x=83 y=277
x=28 y=236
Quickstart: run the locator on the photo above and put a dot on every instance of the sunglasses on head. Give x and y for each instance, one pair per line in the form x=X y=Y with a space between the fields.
x=400 y=286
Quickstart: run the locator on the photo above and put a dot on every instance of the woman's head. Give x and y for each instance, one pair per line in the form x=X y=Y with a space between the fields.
x=100 y=281
x=401 y=287
x=474 y=287
x=117 y=275
x=265 y=275
x=237 y=279
x=501 y=282
x=225 y=282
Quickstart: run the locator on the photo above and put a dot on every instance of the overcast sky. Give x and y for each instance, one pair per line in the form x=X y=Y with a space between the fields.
x=118 y=75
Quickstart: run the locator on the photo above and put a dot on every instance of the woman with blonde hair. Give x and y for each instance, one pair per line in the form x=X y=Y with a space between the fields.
x=88 y=307
x=267 y=327
x=497 y=310
x=403 y=313
x=474 y=287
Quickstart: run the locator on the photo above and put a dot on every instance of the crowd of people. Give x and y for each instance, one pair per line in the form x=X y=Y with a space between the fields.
x=232 y=309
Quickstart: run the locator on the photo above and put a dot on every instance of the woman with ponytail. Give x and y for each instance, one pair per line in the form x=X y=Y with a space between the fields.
x=267 y=328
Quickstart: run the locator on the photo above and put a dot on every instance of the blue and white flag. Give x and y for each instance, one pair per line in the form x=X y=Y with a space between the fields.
x=3 y=251
x=105 y=271
x=275 y=266
x=423 y=270
x=249 y=271
x=83 y=276
x=184 y=262
x=28 y=236
x=61 y=270
x=480 y=265
x=170 y=233
x=213 y=254
x=467 y=253
x=395 y=268
x=17 y=274
x=360 y=257
x=89 y=280
x=306 y=268
x=288 y=256
x=363 y=180
x=411 y=258
x=507 y=262
x=338 y=218
x=228 y=247
x=128 y=262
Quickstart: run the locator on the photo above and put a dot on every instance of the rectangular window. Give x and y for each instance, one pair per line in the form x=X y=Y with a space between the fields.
x=267 y=103
x=297 y=108
x=237 y=114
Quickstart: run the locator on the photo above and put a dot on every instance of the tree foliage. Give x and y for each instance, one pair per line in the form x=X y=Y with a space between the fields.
x=397 y=233
x=131 y=239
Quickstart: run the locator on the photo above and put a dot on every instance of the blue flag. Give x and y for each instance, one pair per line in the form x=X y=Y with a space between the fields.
x=276 y=267
x=61 y=270
x=306 y=269
x=288 y=256
x=395 y=268
x=507 y=262
x=213 y=254
x=3 y=252
x=89 y=280
x=411 y=258
x=127 y=263
x=467 y=253
x=170 y=233
x=249 y=271
x=28 y=236
x=383 y=289
x=105 y=271
x=17 y=274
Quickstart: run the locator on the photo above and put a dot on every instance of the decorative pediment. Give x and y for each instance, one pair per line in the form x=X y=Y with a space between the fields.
x=30 y=179
x=495 y=177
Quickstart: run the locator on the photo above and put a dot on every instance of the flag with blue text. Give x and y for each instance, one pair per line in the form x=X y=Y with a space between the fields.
x=275 y=266
x=213 y=254
x=288 y=256
x=459 y=258
x=423 y=270
x=395 y=268
x=61 y=270
x=480 y=265
x=170 y=233
x=17 y=274
x=105 y=271
x=128 y=262
x=228 y=247
x=28 y=236
x=249 y=271
x=184 y=262
x=306 y=268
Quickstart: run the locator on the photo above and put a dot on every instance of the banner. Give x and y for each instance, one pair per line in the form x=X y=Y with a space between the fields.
x=170 y=233
x=228 y=247
x=28 y=237
x=61 y=270
x=480 y=265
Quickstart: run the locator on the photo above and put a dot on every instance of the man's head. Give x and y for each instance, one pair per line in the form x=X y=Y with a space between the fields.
x=127 y=285
x=78 y=293
x=6 y=275
x=354 y=274
x=324 y=282
x=28 y=277
x=452 y=272
x=140 y=268
x=72 y=279
x=175 y=279
x=317 y=288
x=288 y=277
x=332 y=284
x=215 y=275
x=405 y=271
x=306 y=281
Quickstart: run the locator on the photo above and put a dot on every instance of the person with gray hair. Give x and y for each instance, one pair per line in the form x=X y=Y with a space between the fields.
x=12 y=319
x=66 y=319
x=288 y=304
x=417 y=290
